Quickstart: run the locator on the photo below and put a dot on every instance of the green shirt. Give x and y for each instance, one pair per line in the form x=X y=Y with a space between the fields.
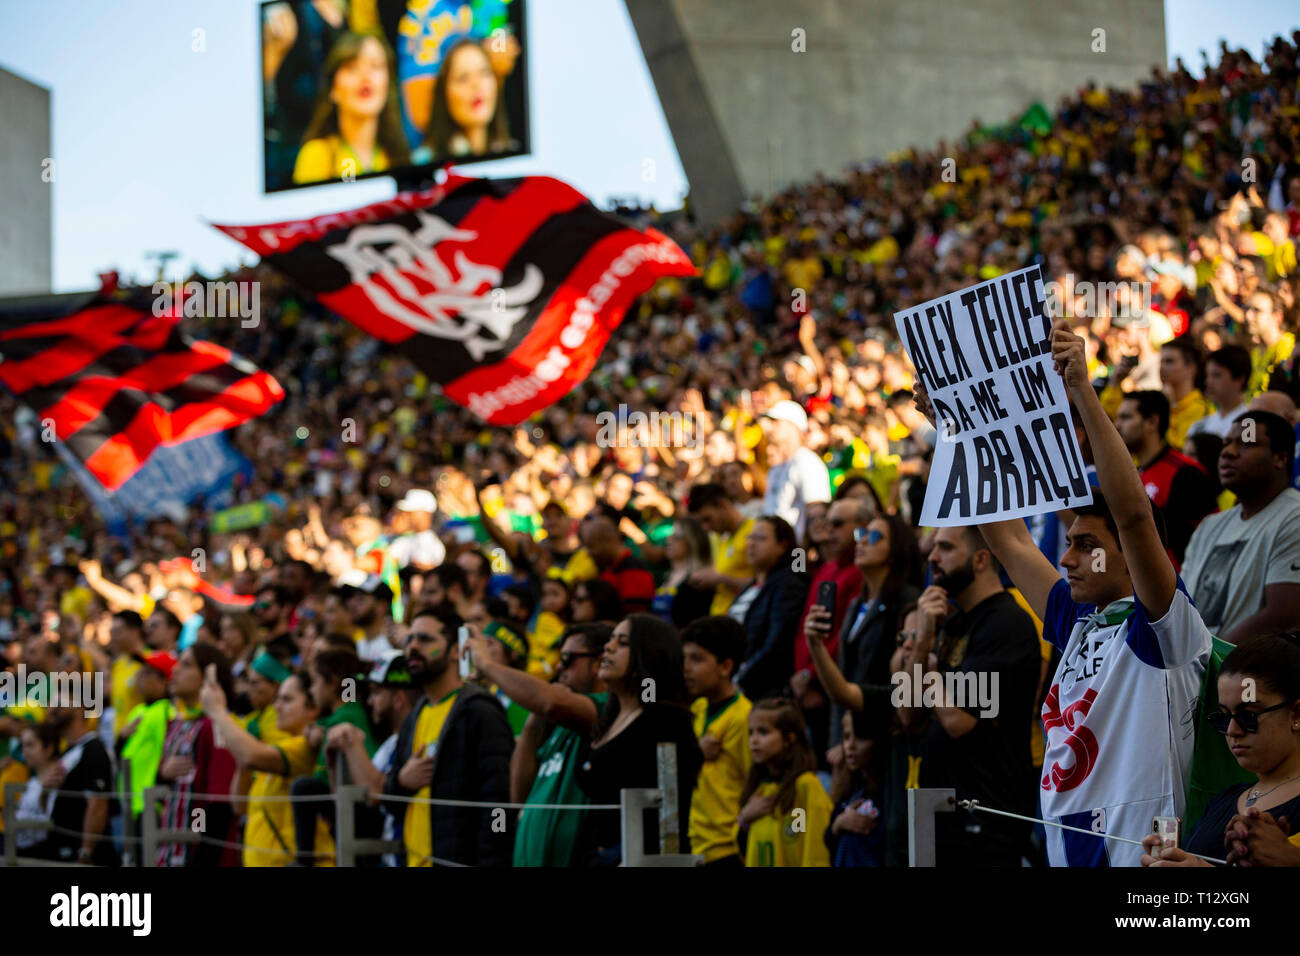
x=548 y=837
x=143 y=749
x=350 y=713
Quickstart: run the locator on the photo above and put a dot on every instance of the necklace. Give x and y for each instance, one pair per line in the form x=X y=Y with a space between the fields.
x=1255 y=794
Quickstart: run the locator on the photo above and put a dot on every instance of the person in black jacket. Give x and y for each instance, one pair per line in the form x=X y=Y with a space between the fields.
x=643 y=667
x=886 y=553
x=455 y=745
x=770 y=609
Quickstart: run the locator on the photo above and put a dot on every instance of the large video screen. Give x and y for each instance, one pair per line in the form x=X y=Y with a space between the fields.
x=357 y=88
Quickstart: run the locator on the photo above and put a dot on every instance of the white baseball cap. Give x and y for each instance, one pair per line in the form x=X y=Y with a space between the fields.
x=788 y=411
x=417 y=499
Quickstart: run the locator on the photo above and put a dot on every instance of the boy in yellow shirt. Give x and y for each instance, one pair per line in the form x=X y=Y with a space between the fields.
x=712 y=649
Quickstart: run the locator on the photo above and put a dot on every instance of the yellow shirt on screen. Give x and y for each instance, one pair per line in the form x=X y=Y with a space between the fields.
x=715 y=803
x=792 y=839
x=268 y=832
x=415 y=831
x=328 y=157
x=122 y=693
x=729 y=558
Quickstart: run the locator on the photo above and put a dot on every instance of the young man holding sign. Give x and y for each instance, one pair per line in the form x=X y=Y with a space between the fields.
x=1118 y=715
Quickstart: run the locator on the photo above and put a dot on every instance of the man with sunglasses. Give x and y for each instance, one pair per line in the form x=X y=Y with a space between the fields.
x=542 y=770
x=1119 y=712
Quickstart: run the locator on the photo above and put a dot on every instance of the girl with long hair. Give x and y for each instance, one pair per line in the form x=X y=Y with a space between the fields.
x=355 y=126
x=784 y=807
x=642 y=667
x=468 y=116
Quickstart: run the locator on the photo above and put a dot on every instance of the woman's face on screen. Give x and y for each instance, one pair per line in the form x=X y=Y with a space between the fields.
x=471 y=88
x=361 y=84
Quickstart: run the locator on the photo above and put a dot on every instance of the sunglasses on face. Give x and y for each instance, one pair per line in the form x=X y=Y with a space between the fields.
x=870 y=535
x=568 y=657
x=581 y=597
x=1247 y=720
x=261 y=605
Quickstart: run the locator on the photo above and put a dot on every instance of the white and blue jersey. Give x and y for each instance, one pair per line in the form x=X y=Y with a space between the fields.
x=1119 y=721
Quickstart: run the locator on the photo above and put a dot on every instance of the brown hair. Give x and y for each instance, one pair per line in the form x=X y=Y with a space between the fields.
x=797 y=759
x=325 y=115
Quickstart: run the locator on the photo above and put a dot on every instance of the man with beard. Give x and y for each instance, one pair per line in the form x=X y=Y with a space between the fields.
x=978 y=739
x=272 y=609
x=454 y=745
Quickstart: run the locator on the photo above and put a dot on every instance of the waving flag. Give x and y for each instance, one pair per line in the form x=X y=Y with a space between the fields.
x=116 y=382
x=502 y=291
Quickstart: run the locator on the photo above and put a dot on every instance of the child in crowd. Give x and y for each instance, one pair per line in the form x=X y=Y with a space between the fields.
x=785 y=809
x=855 y=836
x=712 y=648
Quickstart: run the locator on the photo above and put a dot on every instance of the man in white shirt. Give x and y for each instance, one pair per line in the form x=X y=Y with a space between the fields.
x=798 y=476
x=1227 y=373
x=418 y=545
x=1120 y=708
x=1243 y=565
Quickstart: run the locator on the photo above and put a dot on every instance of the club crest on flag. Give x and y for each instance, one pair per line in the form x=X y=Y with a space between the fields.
x=405 y=278
x=503 y=292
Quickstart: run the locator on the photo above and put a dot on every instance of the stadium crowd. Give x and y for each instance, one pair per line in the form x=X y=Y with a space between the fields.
x=746 y=582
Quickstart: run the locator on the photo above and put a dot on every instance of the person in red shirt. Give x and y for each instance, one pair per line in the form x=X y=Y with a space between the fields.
x=1175 y=482
x=615 y=561
x=842 y=519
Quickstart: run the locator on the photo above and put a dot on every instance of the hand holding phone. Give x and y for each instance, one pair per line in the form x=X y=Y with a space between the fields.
x=467 y=669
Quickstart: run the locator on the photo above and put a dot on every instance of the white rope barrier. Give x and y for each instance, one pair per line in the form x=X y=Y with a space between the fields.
x=976 y=805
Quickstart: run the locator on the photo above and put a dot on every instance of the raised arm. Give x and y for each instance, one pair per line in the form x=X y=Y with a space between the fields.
x=844 y=692
x=1009 y=541
x=1154 y=579
x=248 y=751
x=1029 y=569
x=554 y=702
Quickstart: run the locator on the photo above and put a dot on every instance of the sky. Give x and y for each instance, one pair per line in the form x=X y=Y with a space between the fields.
x=153 y=139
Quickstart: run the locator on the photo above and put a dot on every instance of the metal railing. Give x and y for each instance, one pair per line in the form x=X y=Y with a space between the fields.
x=348 y=845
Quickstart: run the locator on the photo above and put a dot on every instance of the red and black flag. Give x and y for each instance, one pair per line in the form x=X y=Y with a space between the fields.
x=502 y=291
x=117 y=381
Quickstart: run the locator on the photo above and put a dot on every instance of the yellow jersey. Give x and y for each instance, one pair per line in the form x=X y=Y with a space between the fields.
x=415 y=831
x=1191 y=408
x=122 y=693
x=796 y=838
x=729 y=558
x=715 y=803
x=268 y=831
x=544 y=645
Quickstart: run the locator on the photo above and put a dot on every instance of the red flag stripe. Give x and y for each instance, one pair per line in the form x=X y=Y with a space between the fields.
x=115 y=461
x=84 y=401
x=72 y=355
x=551 y=324
x=536 y=200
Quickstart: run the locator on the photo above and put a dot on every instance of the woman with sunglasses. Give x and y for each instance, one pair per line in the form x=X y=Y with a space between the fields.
x=1259 y=715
